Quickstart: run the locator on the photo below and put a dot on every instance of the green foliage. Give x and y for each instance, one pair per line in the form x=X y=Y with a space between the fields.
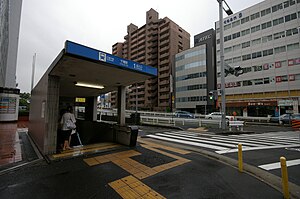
x=24 y=101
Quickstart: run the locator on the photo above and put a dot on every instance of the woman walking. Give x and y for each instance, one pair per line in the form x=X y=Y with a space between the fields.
x=68 y=124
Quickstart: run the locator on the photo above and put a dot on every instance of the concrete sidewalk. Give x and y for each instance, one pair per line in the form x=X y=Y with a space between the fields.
x=15 y=146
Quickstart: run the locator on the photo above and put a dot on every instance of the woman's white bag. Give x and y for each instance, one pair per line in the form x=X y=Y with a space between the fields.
x=70 y=125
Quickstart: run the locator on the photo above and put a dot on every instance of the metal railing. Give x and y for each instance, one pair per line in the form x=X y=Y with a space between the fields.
x=169 y=118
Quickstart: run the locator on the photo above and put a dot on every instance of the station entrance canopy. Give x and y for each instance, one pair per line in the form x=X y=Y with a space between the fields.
x=74 y=67
x=81 y=64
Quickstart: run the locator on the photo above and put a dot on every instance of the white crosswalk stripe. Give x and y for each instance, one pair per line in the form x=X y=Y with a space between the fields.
x=228 y=143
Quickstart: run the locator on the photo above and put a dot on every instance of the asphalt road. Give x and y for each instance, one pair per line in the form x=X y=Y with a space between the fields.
x=196 y=177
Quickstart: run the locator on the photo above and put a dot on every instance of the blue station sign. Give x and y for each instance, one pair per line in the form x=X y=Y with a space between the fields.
x=90 y=53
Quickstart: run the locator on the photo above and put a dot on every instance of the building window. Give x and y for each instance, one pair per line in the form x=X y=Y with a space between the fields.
x=265 y=12
x=256 y=55
x=246 y=44
x=280 y=49
x=292 y=46
x=289 y=3
x=236 y=35
x=265 y=39
x=236 y=59
x=293 y=31
x=246 y=57
x=245 y=32
x=267 y=80
x=278 y=21
x=247 y=83
x=255 y=29
x=247 y=70
x=227 y=50
x=290 y=17
x=277 y=7
x=256 y=41
x=244 y=20
x=236 y=23
x=279 y=35
x=227 y=38
x=268 y=52
x=236 y=47
x=226 y=27
x=228 y=61
x=255 y=16
x=266 y=25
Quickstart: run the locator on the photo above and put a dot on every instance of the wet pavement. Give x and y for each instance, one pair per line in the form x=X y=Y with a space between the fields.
x=149 y=170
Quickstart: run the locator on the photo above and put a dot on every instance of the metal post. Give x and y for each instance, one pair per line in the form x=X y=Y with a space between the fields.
x=285 y=181
x=240 y=157
x=136 y=103
x=223 y=120
x=33 y=70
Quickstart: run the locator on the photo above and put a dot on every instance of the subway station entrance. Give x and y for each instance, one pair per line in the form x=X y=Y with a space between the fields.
x=77 y=76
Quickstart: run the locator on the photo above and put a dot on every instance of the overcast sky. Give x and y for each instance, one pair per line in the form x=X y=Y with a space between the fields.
x=47 y=24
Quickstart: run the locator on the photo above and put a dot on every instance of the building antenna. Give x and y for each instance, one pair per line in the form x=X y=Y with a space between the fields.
x=33 y=69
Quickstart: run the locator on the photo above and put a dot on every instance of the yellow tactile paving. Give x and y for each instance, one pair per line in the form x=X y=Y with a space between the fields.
x=131 y=188
x=180 y=151
x=85 y=149
x=91 y=161
x=102 y=159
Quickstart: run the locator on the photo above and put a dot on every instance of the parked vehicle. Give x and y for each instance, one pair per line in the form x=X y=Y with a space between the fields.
x=218 y=116
x=285 y=118
x=184 y=114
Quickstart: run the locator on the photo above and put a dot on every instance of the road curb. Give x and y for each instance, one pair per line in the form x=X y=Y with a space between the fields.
x=270 y=179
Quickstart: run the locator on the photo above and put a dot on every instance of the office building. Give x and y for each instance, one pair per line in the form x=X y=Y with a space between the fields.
x=264 y=40
x=195 y=74
x=154 y=44
x=10 y=14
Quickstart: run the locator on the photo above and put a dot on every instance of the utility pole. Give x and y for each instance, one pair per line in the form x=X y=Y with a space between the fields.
x=33 y=69
x=229 y=12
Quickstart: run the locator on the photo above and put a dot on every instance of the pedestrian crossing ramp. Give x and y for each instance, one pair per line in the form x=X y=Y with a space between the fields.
x=223 y=144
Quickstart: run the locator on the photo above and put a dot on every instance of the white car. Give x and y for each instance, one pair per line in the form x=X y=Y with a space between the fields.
x=218 y=116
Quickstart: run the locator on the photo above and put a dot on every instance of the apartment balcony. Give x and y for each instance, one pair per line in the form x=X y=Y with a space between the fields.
x=152 y=63
x=151 y=89
x=164 y=75
x=165 y=89
x=166 y=48
x=164 y=82
x=164 y=97
x=166 y=41
x=165 y=55
x=164 y=28
x=163 y=36
x=166 y=61
x=165 y=68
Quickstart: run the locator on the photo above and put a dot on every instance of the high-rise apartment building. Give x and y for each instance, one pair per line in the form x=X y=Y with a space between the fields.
x=264 y=40
x=195 y=74
x=10 y=14
x=154 y=44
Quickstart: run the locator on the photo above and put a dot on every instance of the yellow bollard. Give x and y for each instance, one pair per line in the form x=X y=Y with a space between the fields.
x=240 y=156
x=284 y=178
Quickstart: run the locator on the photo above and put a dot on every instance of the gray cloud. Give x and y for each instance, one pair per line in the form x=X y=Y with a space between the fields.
x=46 y=25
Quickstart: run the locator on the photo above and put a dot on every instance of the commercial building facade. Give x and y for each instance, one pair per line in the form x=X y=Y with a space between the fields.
x=195 y=74
x=10 y=14
x=264 y=41
x=154 y=44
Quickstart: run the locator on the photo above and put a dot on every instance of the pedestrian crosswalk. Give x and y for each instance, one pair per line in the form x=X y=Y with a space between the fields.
x=223 y=144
